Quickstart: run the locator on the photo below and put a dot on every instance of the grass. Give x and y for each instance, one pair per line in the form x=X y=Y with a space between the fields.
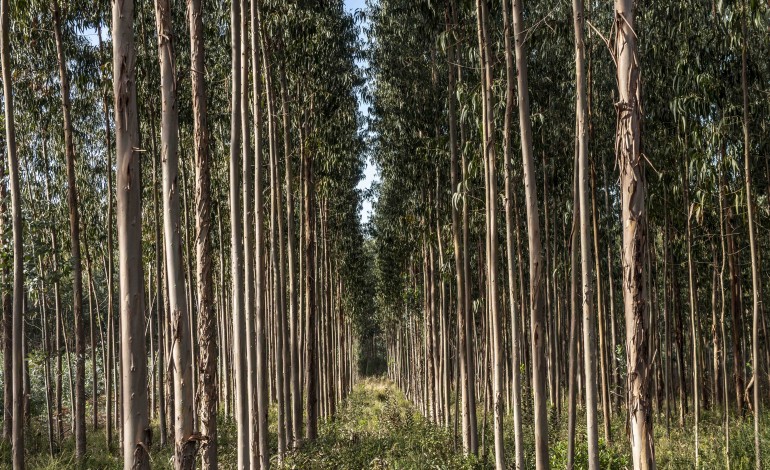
x=378 y=428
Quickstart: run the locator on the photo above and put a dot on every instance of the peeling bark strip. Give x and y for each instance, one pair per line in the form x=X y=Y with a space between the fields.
x=136 y=438
x=634 y=222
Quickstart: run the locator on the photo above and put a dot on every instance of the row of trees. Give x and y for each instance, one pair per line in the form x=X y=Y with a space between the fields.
x=210 y=319
x=555 y=280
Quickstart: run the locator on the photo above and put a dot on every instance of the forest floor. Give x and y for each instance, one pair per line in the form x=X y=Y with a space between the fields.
x=378 y=428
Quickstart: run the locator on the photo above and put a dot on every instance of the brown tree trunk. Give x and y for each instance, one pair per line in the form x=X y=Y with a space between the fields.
x=311 y=359
x=207 y=320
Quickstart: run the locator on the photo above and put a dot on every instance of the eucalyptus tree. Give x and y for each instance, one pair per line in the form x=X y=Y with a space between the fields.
x=17 y=434
x=236 y=248
x=537 y=300
x=490 y=177
x=755 y=289
x=633 y=218
x=77 y=270
x=207 y=321
x=135 y=423
x=261 y=317
x=589 y=320
x=184 y=418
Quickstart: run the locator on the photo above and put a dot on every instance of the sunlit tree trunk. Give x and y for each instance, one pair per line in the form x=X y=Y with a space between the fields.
x=246 y=446
x=634 y=223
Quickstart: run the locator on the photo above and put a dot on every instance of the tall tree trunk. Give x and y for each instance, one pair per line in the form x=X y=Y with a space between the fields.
x=465 y=386
x=296 y=394
x=17 y=434
x=692 y=290
x=207 y=320
x=573 y=324
x=490 y=156
x=246 y=443
x=185 y=447
x=261 y=282
x=135 y=423
x=108 y=376
x=634 y=223
x=589 y=314
x=7 y=306
x=77 y=271
x=755 y=286
x=276 y=245
x=311 y=359
x=537 y=299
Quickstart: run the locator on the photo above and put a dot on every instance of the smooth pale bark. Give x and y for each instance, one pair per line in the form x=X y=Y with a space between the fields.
x=589 y=314
x=74 y=217
x=133 y=352
x=238 y=342
x=755 y=286
x=256 y=457
x=537 y=296
x=207 y=320
x=492 y=255
x=261 y=283
x=295 y=385
x=464 y=385
x=17 y=434
x=184 y=419
x=276 y=247
x=634 y=223
x=510 y=223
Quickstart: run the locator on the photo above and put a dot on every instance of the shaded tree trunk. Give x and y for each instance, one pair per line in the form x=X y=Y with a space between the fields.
x=77 y=271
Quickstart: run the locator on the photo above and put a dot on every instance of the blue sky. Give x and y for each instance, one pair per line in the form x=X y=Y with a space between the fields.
x=370 y=171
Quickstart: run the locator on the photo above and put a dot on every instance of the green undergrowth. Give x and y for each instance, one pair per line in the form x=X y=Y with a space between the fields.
x=378 y=428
